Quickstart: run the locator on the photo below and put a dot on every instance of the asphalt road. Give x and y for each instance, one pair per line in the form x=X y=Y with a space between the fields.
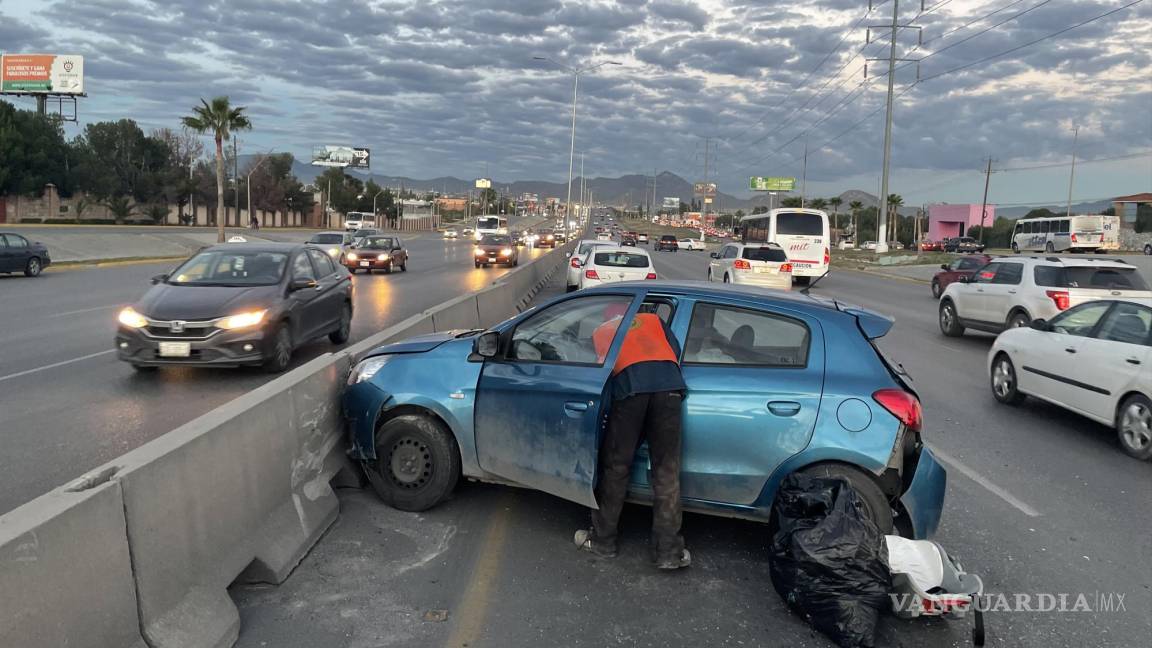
x=1039 y=502
x=68 y=405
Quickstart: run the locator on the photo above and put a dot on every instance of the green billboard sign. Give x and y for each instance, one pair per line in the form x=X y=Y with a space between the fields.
x=762 y=183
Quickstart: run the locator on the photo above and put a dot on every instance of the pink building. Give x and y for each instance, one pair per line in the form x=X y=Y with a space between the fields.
x=947 y=221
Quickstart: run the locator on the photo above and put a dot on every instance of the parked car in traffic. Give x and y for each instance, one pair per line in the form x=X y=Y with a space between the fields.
x=495 y=249
x=870 y=245
x=814 y=396
x=643 y=238
x=758 y=264
x=451 y=233
x=1012 y=291
x=18 y=254
x=336 y=244
x=628 y=240
x=576 y=260
x=238 y=304
x=546 y=238
x=613 y=264
x=1094 y=359
x=667 y=242
x=603 y=236
x=951 y=272
x=931 y=246
x=963 y=244
x=359 y=235
x=377 y=253
x=690 y=244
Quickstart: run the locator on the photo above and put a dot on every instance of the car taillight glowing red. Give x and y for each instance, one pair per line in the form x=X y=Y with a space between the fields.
x=785 y=267
x=1060 y=297
x=741 y=264
x=902 y=405
x=575 y=262
x=827 y=256
x=1073 y=238
x=591 y=274
x=651 y=275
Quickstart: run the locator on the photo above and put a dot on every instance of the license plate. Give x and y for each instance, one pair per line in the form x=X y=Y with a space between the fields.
x=365 y=264
x=801 y=265
x=765 y=270
x=175 y=349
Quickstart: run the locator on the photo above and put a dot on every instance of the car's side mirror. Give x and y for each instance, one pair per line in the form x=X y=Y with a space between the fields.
x=964 y=279
x=487 y=344
x=944 y=266
x=715 y=255
x=160 y=278
x=1040 y=325
x=302 y=284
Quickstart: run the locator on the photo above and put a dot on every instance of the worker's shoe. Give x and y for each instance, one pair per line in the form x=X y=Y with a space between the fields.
x=674 y=561
x=584 y=542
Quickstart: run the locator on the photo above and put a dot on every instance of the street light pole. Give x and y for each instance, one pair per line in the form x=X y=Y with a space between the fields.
x=248 y=183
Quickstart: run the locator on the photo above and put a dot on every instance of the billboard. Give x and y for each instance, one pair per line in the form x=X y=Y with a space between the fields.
x=704 y=188
x=341 y=156
x=672 y=202
x=483 y=183
x=762 y=183
x=57 y=74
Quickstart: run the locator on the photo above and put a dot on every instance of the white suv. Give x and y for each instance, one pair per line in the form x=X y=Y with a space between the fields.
x=1010 y=292
x=760 y=264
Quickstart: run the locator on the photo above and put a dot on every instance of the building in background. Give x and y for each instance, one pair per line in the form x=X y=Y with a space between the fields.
x=950 y=221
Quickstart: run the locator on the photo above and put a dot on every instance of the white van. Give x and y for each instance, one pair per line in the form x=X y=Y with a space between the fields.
x=359 y=220
x=802 y=233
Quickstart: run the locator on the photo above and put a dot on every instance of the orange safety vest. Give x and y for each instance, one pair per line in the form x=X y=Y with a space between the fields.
x=645 y=341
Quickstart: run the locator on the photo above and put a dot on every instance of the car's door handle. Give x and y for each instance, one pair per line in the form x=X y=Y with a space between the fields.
x=1011 y=292
x=784 y=408
x=1070 y=350
x=1132 y=361
x=576 y=406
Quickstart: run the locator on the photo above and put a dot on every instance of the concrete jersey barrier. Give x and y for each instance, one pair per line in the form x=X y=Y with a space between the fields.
x=144 y=548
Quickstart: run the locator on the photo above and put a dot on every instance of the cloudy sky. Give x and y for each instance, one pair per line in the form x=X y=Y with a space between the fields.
x=443 y=87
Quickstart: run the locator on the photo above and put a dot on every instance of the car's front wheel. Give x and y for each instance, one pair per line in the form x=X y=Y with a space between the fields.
x=1134 y=426
x=1148 y=249
x=949 y=320
x=936 y=289
x=1005 y=388
x=872 y=499
x=280 y=355
x=417 y=463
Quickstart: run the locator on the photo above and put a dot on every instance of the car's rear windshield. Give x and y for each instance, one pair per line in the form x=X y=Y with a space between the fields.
x=585 y=247
x=231 y=268
x=327 y=238
x=621 y=260
x=799 y=223
x=495 y=240
x=1108 y=278
x=764 y=254
x=667 y=238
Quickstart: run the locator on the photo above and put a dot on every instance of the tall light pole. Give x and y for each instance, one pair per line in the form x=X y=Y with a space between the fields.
x=1072 y=173
x=576 y=72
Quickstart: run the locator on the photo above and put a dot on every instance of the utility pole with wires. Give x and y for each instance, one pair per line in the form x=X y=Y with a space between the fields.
x=804 y=175
x=1072 y=173
x=654 y=209
x=882 y=216
x=984 y=202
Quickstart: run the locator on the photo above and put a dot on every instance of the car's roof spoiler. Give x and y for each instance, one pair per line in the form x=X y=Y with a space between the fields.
x=872 y=324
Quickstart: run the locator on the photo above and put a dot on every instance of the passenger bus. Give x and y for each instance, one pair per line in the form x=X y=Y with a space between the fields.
x=803 y=233
x=1081 y=233
x=490 y=225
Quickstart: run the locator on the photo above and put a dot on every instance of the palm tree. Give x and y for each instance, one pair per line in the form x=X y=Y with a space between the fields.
x=791 y=201
x=121 y=208
x=817 y=203
x=220 y=119
x=855 y=206
x=894 y=203
x=835 y=202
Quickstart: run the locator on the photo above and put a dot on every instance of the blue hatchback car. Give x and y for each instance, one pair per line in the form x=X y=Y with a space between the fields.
x=777 y=383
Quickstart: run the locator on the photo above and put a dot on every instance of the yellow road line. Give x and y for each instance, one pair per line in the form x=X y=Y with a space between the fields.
x=469 y=619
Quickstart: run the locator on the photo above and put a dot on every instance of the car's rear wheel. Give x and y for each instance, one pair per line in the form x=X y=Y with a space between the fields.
x=417 y=463
x=570 y=288
x=280 y=355
x=949 y=320
x=1049 y=248
x=726 y=279
x=1148 y=249
x=1134 y=426
x=1015 y=248
x=1019 y=319
x=1005 y=387
x=936 y=289
x=875 y=504
x=344 y=329
x=33 y=268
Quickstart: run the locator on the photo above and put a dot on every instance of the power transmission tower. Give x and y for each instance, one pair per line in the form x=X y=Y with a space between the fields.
x=882 y=217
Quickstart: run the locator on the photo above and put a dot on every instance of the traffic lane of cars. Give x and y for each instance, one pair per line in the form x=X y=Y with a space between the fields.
x=59 y=421
x=1044 y=501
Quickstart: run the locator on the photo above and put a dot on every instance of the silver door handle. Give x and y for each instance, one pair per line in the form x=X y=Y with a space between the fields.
x=576 y=406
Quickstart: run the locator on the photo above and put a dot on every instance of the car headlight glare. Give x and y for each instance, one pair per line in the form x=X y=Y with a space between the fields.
x=479 y=252
x=241 y=320
x=352 y=256
x=367 y=369
x=506 y=252
x=130 y=318
x=333 y=251
x=383 y=257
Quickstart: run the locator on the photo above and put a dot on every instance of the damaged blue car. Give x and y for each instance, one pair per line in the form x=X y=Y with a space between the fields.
x=777 y=383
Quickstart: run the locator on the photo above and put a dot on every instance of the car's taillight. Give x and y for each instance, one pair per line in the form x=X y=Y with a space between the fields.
x=1073 y=238
x=575 y=263
x=1060 y=297
x=591 y=274
x=651 y=275
x=902 y=405
x=785 y=267
x=827 y=256
x=741 y=264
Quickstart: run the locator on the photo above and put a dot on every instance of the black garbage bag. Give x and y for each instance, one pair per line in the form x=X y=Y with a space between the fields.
x=829 y=561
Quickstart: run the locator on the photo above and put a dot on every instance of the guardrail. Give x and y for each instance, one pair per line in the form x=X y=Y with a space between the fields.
x=140 y=552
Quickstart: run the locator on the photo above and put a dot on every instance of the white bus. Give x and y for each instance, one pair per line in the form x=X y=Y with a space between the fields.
x=803 y=233
x=490 y=225
x=1080 y=233
x=359 y=220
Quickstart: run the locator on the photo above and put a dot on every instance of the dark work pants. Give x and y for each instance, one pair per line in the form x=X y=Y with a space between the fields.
x=655 y=417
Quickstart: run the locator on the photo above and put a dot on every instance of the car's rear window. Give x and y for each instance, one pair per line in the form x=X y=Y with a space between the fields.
x=1108 y=278
x=764 y=254
x=667 y=238
x=327 y=238
x=799 y=223
x=621 y=260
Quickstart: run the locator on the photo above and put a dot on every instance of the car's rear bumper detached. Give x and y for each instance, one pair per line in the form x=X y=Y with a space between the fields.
x=223 y=349
x=924 y=499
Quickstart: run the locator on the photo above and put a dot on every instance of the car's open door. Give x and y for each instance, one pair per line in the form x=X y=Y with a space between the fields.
x=540 y=402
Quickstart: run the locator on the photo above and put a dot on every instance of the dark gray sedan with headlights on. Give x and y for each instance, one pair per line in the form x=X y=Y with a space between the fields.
x=238 y=304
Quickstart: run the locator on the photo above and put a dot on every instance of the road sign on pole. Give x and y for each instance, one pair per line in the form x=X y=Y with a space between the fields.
x=762 y=183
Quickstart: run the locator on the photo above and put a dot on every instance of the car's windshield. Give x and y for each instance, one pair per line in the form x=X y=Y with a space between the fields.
x=621 y=260
x=231 y=268
x=327 y=238
x=492 y=239
x=379 y=242
x=764 y=254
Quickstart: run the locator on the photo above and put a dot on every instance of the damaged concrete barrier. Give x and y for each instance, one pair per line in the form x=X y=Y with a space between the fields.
x=459 y=313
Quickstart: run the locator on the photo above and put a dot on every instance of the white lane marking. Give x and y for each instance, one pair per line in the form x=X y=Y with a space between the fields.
x=82 y=310
x=983 y=481
x=55 y=364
